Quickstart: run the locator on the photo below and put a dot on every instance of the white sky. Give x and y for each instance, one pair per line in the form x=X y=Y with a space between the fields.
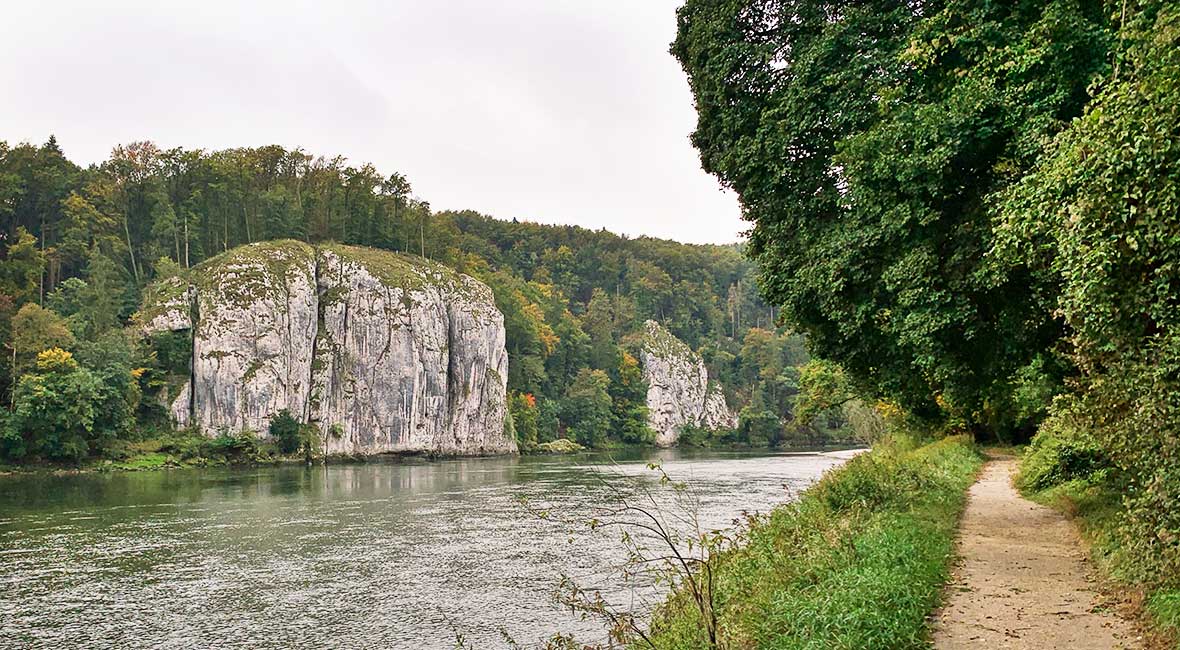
x=558 y=111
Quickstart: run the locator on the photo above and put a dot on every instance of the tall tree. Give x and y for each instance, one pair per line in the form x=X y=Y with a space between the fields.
x=866 y=140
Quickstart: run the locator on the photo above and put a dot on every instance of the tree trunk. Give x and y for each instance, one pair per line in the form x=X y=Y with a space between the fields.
x=131 y=250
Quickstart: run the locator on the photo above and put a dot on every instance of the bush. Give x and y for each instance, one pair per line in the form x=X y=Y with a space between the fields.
x=235 y=448
x=284 y=430
x=871 y=481
x=694 y=436
x=559 y=446
x=186 y=445
x=1059 y=453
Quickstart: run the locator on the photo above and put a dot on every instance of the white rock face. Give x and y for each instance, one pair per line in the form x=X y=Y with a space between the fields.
x=716 y=413
x=252 y=347
x=181 y=408
x=170 y=305
x=678 y=391
x=410 y=357
x=382 y=352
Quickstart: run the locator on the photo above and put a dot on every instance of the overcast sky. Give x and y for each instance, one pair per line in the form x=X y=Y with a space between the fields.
x=547 y=110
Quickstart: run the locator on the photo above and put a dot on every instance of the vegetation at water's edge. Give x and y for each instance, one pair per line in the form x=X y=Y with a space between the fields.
x=83 y=249
x=858 y=561
x=972 y=211
x=160 y=450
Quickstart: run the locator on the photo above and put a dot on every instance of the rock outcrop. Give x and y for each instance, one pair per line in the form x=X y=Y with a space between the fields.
x=382 y=352
x=410 y=356
x=168 y=307
x=257 y=310
x=678 y=390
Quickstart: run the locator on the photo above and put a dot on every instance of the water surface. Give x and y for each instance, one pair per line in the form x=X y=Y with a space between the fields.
x=390 y=554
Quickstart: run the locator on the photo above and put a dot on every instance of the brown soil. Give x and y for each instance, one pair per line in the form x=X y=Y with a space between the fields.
x=1023 y=579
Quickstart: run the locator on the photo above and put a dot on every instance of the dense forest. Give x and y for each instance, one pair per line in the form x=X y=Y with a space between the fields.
x=972 y=211
x=81 y=246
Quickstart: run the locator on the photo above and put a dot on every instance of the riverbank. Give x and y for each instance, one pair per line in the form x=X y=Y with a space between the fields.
x=189 y=451
x=859 y=561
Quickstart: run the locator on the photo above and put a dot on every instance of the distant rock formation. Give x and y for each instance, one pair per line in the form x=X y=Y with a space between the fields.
x=383 y=352
x=678 y=390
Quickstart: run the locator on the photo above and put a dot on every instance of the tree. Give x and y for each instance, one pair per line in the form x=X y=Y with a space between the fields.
x=823 y=387
x=523 y=407
x=35 y=329
x=1101 y=215
x=599 y=324
x=103 y=306
x=284 y=430
x=20 y=273
x=96 y=239
x=55 y=407
x=628 y=393
x=587 y=408
x=112 y=359
x=865 y=141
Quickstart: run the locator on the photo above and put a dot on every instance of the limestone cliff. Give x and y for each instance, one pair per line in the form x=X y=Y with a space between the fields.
x=410 y=356
x=252 y=344
x=678 y=389
x=382 y=352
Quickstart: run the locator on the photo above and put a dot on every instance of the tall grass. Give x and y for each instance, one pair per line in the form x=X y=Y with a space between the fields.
x=858 y=562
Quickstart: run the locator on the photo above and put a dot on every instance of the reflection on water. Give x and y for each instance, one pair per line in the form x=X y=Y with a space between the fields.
x=391 y=554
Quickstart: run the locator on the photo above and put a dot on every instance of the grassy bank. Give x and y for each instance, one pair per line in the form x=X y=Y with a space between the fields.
x=170 y=450
x=1072 y=476
x=857 y=562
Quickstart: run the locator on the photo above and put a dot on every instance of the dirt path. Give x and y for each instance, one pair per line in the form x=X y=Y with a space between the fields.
x=1022 y=581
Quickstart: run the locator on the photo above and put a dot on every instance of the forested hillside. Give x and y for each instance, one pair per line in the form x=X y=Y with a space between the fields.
x=972 y=209
x=83 y=245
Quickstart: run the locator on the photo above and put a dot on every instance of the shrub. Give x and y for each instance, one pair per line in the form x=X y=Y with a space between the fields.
x=239 y=447
x=284 y=430
x=694 y=436
x=187 y=444
x=1058 y=453
x=559 y=446
x=870 y=481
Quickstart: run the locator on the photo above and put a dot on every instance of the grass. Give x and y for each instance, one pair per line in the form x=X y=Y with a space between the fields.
x=146 y=461
x=188 y=449
x=1096 y=505
x=1164 y=608
x=859 y=561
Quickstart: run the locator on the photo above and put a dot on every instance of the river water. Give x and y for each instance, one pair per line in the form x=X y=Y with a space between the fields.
x=399 y=554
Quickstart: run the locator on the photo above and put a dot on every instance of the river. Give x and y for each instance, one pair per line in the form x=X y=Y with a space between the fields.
x=398 y=554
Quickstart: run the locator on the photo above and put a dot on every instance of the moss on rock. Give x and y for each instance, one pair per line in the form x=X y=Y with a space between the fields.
x=245 y=274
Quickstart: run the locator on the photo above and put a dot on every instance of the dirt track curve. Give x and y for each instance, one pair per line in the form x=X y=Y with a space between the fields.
x=1023 y=580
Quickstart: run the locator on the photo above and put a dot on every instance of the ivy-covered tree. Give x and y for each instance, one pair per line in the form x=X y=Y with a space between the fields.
x=866 y=140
